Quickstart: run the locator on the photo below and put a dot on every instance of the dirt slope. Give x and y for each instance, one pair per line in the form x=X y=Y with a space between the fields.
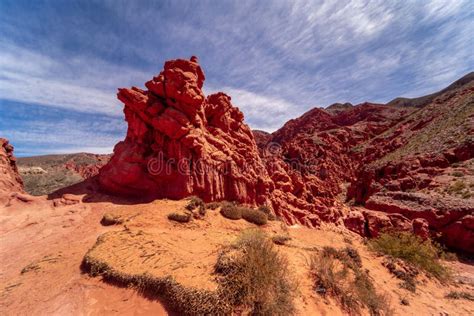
x=49 y=243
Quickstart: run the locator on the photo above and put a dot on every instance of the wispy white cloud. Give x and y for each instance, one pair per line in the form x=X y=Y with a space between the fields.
x=261 y=112
x=66 y=134
x=79 y=84
x=277 y=59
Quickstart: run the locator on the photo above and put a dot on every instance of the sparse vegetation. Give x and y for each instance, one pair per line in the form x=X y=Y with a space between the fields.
x=457 y=187
x=466 y=195
x=252 y=278
x=31 y=267
x=457 y=174
x=255 y=277
x=111 y=219
x=231 y=211
x=456 y=295
x=181 y=217
x=265 y=209
x=213 y=205
x=254 y=216
x=36 y=265
x=339 y=273
x=412 y=249
x=281 y=239
x=196 y=203
x=406 y=273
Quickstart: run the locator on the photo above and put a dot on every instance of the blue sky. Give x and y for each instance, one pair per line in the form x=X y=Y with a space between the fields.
x=62 y=61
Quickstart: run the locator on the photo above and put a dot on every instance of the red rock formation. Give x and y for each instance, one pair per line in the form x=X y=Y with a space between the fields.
x=180 y=143
x=88 y=170
x=312 y=157
x=10 y=180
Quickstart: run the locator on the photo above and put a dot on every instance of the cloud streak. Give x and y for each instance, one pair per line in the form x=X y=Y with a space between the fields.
x=276 y=59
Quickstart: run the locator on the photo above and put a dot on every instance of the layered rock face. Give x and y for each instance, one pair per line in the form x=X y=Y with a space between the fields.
x=311 y=159
x=10 y=180
x=180 y=143
x=423 y=168
x=406 y=168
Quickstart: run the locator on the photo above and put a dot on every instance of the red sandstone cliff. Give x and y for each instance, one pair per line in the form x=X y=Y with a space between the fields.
x=10 y=180
x=180 y=143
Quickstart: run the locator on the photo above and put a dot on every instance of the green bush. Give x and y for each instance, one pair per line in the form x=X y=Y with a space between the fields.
x=254 y=216
x=255 y=277
x=412 y=249
x=181 y=217
x=231 y=211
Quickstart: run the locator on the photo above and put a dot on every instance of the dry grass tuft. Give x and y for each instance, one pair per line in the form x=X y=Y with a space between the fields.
x=196 y=203
x=254 y=216
x=281 y=239
x=456 y=295
x=231 y=211
x=110 y=219
x=412 y=249
x=339 y=273
x=265 y=209
x=457 y=174
x=181 y=217
x=213 y=205
x=255 y=277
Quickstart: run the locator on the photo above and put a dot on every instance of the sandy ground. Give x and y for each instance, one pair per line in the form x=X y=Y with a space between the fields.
x=47 y=244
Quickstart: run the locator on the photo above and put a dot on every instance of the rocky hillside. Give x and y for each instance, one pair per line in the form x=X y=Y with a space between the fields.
x=10 y=180
x=368 y=166
x=46 y=174
x=412 y=165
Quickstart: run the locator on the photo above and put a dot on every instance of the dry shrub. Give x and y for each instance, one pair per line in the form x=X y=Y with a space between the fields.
x=457 y=174
x=403 y=271
x=265 y=209
x=339 y=273
x=410 y=248
x=456 y=295
x=231 y=211
x=281 y=239
x=181 y=217
x=110 y=219
x=254 y=277
x=196 y=203
x=254 y=216
x=213 y=205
